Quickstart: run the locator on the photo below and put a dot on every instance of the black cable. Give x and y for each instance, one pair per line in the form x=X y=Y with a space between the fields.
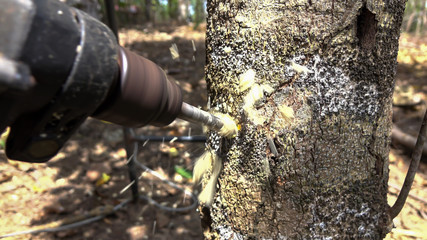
x=410 y=175
x=143 y=138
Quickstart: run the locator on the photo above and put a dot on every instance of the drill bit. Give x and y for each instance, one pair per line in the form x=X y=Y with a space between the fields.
x=221 y=123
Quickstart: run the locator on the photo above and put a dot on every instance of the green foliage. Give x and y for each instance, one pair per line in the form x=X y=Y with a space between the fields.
x=159 y=11
x=183 y=172
x=173 y=6
x=3 y=138
x=199 y=12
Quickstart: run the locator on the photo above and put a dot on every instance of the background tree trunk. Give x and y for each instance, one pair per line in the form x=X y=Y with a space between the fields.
x=184 y=11
x=311 y=157
x=91 y=7
x=199 y=12
x=173 y=7
x=421 y=19
x=148 y=11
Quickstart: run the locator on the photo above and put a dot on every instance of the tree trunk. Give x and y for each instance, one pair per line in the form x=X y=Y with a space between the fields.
x=148 y=11
x=91 y=7
x=310 y=85
x=199 y=12
x=173 y=9
x=184 y=12
x=421 y=18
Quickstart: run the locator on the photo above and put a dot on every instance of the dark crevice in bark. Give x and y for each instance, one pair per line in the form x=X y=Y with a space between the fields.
x=366 y=29
x=206 y=220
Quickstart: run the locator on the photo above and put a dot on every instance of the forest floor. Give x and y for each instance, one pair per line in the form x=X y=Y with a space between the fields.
x=91 y=169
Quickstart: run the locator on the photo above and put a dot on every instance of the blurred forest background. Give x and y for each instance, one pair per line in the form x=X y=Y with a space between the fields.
x=91 y=172
x=141 y=12
x=152 y=12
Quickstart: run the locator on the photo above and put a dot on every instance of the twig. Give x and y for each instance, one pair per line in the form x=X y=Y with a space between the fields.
x=410 y=175
x=416 y=197
x=405 y=139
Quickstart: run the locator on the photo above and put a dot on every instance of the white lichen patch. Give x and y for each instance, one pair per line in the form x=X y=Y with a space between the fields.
x=332 y=91
x=386 y=20
x=240 y=18
x=222 y=7
x=342 y=211
x=261 y=17
x=227 y=49
x=300 y=68
x=227 y=233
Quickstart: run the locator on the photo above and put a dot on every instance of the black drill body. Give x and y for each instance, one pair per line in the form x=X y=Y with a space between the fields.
x=65 y=67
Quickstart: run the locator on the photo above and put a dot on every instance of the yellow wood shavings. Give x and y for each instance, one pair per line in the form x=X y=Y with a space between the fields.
x=287 y=113
x=246 y=80
x=229 y=129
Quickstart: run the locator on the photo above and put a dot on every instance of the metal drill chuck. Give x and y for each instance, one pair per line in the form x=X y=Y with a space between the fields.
x=142 y=95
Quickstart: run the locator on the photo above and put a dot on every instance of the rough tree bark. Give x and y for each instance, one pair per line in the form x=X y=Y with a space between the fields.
x=311 y=157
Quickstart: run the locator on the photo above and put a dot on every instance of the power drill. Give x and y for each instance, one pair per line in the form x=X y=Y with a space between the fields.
x=58 y=66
